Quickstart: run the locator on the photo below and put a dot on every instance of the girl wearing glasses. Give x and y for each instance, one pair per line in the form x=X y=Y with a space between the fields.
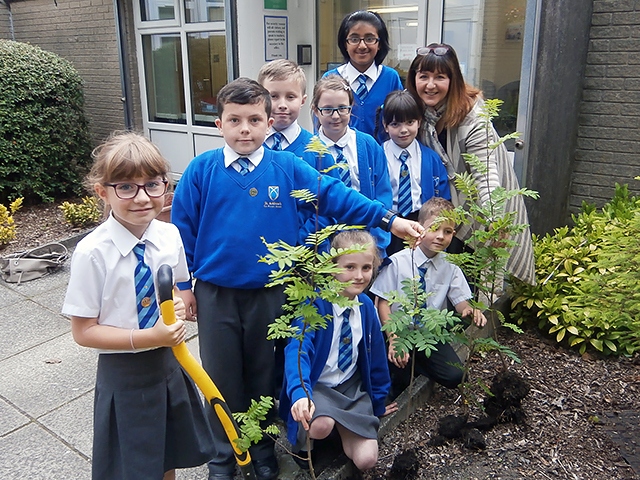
x=452 y=127
x=148 y=418
x=362 y=160
x=363 y=40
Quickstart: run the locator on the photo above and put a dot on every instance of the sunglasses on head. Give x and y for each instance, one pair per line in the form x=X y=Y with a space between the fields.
x=439 y=51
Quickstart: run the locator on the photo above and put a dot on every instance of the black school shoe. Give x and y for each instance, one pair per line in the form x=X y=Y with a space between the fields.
x=266 y=469
x=302 y=462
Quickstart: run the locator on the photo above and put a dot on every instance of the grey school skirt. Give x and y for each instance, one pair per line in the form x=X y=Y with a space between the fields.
x=148 y=417
x=348 y=405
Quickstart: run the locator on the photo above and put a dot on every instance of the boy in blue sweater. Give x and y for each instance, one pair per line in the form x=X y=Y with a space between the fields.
x=227 y=200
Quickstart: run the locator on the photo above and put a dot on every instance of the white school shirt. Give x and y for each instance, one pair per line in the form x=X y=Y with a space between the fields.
x=331 y=375
x=443 y=279
x=414 y=162
x=289 y=135
x=102 y=284
x=349 y=151
x=230 y=156
x=351 y=74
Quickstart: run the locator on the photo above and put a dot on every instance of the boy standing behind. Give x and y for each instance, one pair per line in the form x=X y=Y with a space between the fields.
x=443 y=280
x=226 y=201
x=287 y=85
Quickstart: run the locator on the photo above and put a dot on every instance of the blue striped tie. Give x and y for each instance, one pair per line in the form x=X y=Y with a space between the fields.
x=277 y=141
x=405 y=203
x=422 y=271
x=345 y=351
x=145 y=291
x=345 y=174
x=362 y=91
x=244 y=165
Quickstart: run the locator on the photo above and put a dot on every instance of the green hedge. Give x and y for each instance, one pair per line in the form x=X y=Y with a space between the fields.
x=588 y=291
x=45 y=147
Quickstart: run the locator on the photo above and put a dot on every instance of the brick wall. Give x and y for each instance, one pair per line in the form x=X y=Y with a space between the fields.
x=608 y=147
x=5 y=25
x=84 y=33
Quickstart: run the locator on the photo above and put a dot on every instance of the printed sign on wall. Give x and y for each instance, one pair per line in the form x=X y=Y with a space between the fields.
x=275 y=37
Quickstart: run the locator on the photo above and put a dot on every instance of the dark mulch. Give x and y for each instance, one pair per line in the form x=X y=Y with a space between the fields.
x=567 y=430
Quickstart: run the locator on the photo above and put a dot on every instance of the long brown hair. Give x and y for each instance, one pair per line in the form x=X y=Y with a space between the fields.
x=461 y=96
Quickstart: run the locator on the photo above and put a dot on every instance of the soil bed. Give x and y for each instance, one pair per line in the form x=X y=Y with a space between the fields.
x=38 y=225
x=568 y=428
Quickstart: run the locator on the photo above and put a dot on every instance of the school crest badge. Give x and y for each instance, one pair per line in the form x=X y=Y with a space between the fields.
x=274 y=193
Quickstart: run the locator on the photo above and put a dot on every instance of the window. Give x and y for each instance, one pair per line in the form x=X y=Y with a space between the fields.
x=184 y=64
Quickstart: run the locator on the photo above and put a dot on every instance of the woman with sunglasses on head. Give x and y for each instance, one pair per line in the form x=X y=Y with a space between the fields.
x=452 y=127
x=363 y=40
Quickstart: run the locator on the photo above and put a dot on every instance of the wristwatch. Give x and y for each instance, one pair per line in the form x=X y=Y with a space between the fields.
x=387 y=220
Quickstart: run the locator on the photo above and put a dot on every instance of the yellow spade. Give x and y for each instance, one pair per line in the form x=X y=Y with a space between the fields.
x=164 y=284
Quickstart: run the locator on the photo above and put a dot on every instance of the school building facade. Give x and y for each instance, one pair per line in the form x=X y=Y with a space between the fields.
x=568 y=71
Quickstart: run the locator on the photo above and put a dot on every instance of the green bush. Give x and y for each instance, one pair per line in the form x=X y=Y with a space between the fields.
x=587 y=293
x=44 y=141
x=82 y=214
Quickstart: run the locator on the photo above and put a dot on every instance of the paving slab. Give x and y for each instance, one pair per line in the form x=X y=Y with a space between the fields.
x=8 y=296
x=48 y=376
x=623 y=428
x=73 y=423
x=42 y=284
x=25 y=325
x=10 y=418
x=52 y=299
x=33 y=453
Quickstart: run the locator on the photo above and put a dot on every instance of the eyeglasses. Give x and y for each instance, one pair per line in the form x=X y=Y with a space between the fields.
x=127 y=191
x=329 y=111
x=439 y=51
x=366 y=40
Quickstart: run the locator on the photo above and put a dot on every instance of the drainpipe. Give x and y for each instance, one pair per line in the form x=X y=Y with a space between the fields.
x=6 y=4
x=122 y=61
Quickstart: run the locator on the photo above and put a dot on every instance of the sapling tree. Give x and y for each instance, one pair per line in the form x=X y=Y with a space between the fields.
x=493 y=229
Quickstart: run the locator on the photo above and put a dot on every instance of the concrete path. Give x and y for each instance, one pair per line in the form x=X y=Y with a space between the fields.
x=46 y=386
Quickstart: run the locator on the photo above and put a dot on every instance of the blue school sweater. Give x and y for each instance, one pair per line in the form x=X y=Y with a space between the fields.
x=373 y=173
x=298 y=147
x=363 y=115
x=372 y=362
x=433 y=175
x=222 y=215
x=307 y=218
